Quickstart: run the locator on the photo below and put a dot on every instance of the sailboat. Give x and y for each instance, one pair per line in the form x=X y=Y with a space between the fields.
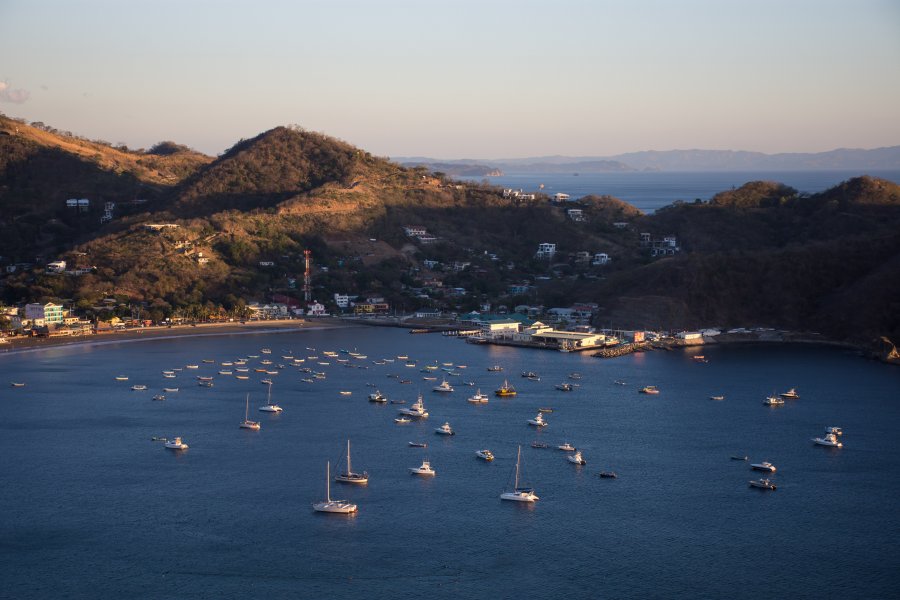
x=519 y=494
x=247 y=423
x=268 y=406
x=349 y=476
x=332 y=506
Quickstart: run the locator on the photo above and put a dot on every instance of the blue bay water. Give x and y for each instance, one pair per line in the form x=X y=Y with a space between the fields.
x=92 y=508
x=650 y=191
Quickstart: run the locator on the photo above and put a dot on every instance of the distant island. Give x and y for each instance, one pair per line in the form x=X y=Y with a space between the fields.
x=887 y=158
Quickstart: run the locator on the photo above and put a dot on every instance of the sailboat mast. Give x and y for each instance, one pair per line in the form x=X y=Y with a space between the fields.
x=269 y=399
x=247 y=409
x=328 y=481
x=348 y=457
x=518 y=457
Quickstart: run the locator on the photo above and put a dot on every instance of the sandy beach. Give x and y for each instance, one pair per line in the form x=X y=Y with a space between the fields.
x=34 y=344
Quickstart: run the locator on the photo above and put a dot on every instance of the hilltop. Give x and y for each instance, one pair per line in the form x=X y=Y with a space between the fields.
x=235 y=228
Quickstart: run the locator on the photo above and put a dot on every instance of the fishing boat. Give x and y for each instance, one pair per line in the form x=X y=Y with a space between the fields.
x=17 y=383
x=505 y=390
x=377 y=396
x=416 y=409
x=159 y=397
x=531 y=375
x=519 y=494
x=564 y=387
x=576 y=458
x=764 y=484
x=268 y=406
x=717 y=397
x=242 y=377
x=208 y=361
x=444 y=429
x=829 y=439
x=247 y=423
x=791 y=394
x=538 y=421
x=423 y=469
x=169 y=376
x=346 y=393
x=773 y=401
x=266 y=351
x=176 y=444
x=224 y=372
x=495 y=369
x=191 y=366
x=478 y=398
x=566 y=447
x=333 y=506
x=443 y=387
x=536 y=444
x=485 y=455
x=349 y=476
x=649 y=389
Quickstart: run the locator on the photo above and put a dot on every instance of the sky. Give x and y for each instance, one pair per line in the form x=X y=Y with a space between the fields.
x=461 y=78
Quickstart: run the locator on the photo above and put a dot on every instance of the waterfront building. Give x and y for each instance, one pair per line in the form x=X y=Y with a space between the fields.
x=49 y=314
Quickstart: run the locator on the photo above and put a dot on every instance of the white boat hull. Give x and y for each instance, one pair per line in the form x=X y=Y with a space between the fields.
x=519 y=496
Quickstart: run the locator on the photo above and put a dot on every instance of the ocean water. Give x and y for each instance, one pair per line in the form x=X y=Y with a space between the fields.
x=92 y=508
x=650 y=191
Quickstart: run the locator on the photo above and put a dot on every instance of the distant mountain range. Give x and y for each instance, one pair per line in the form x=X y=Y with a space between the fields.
x=683 y=160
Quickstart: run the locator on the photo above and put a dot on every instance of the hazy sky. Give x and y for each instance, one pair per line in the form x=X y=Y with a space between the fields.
x=462 y=78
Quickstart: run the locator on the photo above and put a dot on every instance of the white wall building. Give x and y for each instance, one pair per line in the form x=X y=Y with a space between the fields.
x=545 y=250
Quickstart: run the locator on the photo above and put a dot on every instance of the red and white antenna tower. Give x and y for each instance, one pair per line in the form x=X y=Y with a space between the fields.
x=307 y=276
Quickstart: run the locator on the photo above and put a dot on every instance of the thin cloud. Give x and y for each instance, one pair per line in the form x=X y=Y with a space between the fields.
x=11 y=95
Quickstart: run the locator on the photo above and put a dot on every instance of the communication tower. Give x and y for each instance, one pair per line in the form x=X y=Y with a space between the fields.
x=307 y=276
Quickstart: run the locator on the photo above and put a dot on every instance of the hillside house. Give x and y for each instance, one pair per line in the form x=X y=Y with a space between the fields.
x=576 y=214
x=546 y=250
x=600 y=259
x=560 y=197
x=57 y=266
x=342 y=301
x=666 y=246
x=414 y=230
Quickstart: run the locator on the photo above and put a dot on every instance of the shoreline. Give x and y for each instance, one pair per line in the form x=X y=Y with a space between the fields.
x=29 y=345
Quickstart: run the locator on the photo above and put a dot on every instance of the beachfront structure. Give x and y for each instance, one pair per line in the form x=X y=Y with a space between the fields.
x=342 y=301
x=48 y=314
x=316 y=309
x=689 y=335
x=546 y=250
x=267 y=311
x=499 y=328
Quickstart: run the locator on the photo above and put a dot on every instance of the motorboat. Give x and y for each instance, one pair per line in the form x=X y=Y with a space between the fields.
x=566 y=447
x=209 y=361
x=418 y=444
x=773 y=401
x=169 y=375
x=224 y=372
x=485 y=455
x=764 y=484
x=345 y=393
x=834 y=430
x=17 y=383
x=423 y=469
x=791 y=394
x=829 y=439
x=576 y=458
x=402 y=420
x=564 y=387
x=201 y=378
x=121 y=378
x=536 y=444
x=349 y=476
x=505 y=390
x=333 y=506
x=717 y=397
x=738 y=457
x=242 y=377
x=266 y=381
x=398 y=401
x=620 y=382
x=266 y=351
x=478 y=398
x=444 y=429
x=205 y=383
x=538 y=420
x=191 y=366
x=495 y=369
x=763 y=466
x=700 y=358
x=416 y=409
x=247 y=423
x=545 y=409
x=377 y=396
x=159 y=397
x=170 y=390
x=649 y=389
x=519 y=494
x=443 y=387
x=176 y=444
x=608 y=474
x=136 y=388
x=268 y=406
x=575 y=376
x=531 y=375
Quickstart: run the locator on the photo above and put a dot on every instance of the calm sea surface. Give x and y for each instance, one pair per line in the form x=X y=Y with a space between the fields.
x=649 y=191
x=92 y=508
